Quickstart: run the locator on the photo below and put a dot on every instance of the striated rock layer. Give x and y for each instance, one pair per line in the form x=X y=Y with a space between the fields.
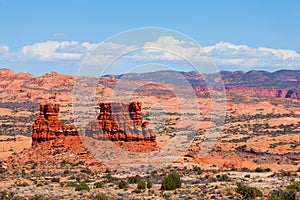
x=119 y=122
x=48 y=126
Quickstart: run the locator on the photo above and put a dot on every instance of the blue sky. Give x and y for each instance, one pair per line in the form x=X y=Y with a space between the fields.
x=257 y=23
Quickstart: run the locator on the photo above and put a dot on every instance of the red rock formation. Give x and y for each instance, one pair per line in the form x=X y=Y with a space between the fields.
x=113 y=123
x=48 y=126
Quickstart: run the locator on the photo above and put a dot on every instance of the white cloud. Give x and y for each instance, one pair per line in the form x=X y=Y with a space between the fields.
x=170 y=48
x=4 y=50
x=243 y=56
x=54 y=50
x=224 y=54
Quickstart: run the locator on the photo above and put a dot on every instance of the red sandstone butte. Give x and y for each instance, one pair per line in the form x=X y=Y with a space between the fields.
x=120 y=122
x=48 y=126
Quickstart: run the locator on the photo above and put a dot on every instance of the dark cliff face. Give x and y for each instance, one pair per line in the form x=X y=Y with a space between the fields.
x=293 y=94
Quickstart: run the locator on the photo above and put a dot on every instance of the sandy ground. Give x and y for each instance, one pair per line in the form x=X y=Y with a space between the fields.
x=7 y=148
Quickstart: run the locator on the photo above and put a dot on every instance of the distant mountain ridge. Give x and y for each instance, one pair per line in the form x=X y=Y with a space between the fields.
x=58 y=87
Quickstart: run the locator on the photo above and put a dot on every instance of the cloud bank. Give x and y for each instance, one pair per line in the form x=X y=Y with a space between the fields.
x=224 y=54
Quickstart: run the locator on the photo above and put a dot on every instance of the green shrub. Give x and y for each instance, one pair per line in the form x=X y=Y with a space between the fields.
x=149 y=185
x=2 y=170
x=55 y=180
x=39 y=197
x=282 y=195
x=223 y=177
x=5 y=195
x=86 y=170
x=248 y=192
x=82 y=186
x=34 y=165
x=22 y=184
x=295 y=186
x=245 y=169
x=71 y=184
x=98 y=184
x=287 y=194
x=134 y=179
x=141 y=185
x=136 y=191
x=102 y=197
x=123 y=185
x=259 y=169
x=171 y=182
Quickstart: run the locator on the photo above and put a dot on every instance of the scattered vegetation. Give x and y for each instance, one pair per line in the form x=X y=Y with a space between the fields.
x=82 y=186
x=123 y=185
x=248 y=192
x=171 y=182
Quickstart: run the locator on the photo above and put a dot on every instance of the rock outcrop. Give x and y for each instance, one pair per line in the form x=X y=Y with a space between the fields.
x=48 y=126
x=119 y=122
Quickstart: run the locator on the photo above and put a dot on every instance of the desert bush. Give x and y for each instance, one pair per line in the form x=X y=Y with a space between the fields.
x=71 y=184
x=137 y=191
x=5 y=195
x=223 y=177
x=245 y=169
x=55 y=180
x=247 y=176
x=23 y=184
x=166 y=196
x=123 y=185
x=294 y=186
x=134 y=179
x=282 y=195
x=34 y=165
x=102 y=197
x=82 y=186
x=171 y=182
x=248 y=192
x=149 y=185
x=98 y=184
x=39 y=197
x=2 y=170
x=141 y=185
x=109 y=178
x=259 y=169
x=197 y=169
x=86 y=170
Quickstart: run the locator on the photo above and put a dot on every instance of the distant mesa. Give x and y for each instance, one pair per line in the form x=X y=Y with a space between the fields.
x=48 y=127
x=120 y=122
